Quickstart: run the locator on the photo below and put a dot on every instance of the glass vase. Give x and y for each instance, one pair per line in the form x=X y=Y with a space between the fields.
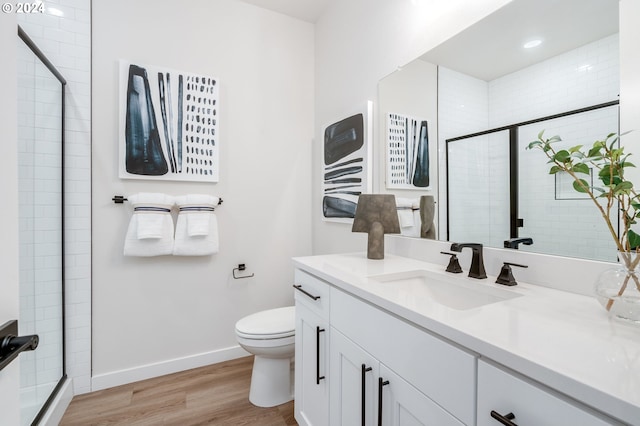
x=618 y=289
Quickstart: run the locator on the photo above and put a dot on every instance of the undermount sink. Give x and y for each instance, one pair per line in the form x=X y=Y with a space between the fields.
x=456 y=292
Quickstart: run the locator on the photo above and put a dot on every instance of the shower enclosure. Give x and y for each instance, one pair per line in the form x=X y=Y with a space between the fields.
x=41 y=257
x=497 y=189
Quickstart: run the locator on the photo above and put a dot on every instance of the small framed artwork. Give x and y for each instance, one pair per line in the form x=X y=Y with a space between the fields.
x=564 y=186
x=346 y=164
x=169 y=124
x=407 y=152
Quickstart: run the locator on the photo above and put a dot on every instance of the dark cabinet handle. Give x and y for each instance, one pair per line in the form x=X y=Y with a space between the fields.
x=381 y=383
x=318 y=376
x=505 y=420
x=299 y=287
x=365 y=369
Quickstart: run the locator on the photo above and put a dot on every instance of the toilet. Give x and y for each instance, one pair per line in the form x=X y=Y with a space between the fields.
x=270 y=336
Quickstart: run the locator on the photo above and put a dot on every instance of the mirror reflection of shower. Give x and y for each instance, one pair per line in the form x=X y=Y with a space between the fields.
x=497 y=190
x=41 y=257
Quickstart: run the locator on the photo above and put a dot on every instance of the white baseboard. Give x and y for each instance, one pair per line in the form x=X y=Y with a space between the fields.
x=143 y=372
x=59 y=405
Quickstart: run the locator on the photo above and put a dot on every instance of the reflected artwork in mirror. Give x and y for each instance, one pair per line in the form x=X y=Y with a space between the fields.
x=493 y=97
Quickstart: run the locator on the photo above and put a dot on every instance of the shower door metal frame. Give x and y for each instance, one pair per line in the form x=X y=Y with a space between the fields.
x=63 y=82
x=515 y=222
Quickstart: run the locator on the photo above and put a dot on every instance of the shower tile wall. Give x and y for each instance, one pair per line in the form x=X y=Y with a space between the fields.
x=585 y=76
x=39 y=151
x=66 y=41
x=463 y=109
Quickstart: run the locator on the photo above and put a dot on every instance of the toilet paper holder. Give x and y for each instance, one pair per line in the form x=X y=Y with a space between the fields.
x=241 y=267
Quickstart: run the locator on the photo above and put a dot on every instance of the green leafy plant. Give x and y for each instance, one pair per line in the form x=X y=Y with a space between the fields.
x=615 y=196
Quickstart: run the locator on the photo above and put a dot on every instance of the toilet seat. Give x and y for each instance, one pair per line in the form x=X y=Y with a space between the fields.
x=266 y=325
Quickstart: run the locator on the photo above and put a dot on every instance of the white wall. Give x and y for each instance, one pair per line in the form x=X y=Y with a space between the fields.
x=630 y=80
x=156 y=315
x=358 y=42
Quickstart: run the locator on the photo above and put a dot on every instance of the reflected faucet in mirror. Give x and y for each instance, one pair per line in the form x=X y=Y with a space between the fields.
x=514 y=242
x=477 y=261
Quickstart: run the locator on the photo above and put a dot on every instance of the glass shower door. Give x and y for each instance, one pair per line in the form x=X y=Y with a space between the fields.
x=40 y=180
x=560 y=220
x=478 y=189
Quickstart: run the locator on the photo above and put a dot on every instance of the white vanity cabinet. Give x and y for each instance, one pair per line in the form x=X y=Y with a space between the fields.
x=520 y=402
x=352 y=382
x=423 y=379
x=362 y=388
x=443 y=366
x=312 y=350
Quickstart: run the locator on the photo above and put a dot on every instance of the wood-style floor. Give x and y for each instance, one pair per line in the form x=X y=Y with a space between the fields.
x=214 y=395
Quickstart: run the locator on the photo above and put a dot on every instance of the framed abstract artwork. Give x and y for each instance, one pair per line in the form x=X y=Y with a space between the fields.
x=346 y=164
x=169 y=124
x=407 y=152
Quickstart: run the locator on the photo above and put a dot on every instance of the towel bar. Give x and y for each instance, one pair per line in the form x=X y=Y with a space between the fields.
x=120 y=199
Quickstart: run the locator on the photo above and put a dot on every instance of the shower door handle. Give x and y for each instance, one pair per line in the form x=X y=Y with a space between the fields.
x=11 y=345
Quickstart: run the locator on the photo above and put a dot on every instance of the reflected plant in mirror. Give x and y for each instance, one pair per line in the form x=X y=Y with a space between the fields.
x=616 y=198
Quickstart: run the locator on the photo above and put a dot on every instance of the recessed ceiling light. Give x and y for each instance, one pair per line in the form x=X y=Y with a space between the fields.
x=55 y=12
x=532 y=43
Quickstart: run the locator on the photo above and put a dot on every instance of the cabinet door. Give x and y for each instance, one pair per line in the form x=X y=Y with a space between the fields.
x=311 y=368
x=403 y=405
x=353 y=378
x=443 y=372
x=525 y=403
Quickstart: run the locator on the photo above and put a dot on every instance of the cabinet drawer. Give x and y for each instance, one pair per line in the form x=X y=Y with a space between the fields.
x=312 y=292
x=505 y=393
x=441 y=371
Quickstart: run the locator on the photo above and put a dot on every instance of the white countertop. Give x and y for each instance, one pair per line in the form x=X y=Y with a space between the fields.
x=564 y=340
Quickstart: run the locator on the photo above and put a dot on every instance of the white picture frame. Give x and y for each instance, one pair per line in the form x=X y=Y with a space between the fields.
x=169 y=124
x=346 y=163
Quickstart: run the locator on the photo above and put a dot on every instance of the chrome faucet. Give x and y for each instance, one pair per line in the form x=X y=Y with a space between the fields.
x=477 y=263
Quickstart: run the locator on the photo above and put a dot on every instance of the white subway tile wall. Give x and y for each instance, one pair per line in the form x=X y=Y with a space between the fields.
x=63 y=33
x=585 y=76
x=40 y=202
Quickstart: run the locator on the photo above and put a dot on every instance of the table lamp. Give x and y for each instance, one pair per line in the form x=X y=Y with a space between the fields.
x=377 y=215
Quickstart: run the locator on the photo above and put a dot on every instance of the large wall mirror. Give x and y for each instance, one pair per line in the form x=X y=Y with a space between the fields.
x=482 y=96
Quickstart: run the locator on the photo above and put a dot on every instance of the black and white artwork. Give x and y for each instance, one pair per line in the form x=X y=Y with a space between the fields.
x=407 y=152
x=346 y=172
x=168 y=124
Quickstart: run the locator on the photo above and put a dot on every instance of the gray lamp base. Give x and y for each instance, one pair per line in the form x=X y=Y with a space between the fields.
x=375 y=245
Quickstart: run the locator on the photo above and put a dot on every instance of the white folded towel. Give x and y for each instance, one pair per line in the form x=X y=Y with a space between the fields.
x=198 y=223
x=405 y=211
x=149 y=223
x=197 y=227
x=150 y=231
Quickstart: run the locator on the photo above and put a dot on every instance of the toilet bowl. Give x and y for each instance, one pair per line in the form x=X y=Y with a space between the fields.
x=270 y=336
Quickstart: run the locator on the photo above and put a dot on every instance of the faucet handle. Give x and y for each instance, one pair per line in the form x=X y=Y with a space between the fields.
x=506 y=274
x=454 y=265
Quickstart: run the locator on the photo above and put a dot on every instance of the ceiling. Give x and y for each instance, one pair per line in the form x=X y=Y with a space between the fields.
x=306 y=10
x=493 y=47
